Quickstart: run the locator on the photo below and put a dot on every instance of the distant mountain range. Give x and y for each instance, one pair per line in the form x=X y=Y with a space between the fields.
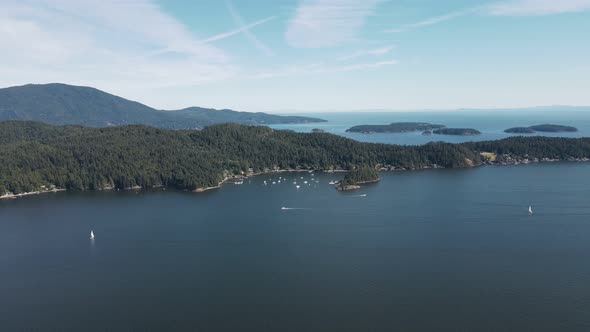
x=57 y=103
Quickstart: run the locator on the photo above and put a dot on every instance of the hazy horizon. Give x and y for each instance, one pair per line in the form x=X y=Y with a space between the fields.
x=305 y=55
x=367 y=110
x=466 y=109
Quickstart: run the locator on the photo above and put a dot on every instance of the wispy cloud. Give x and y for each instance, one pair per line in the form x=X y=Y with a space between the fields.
x=126 y=47
x=433 y=20
x=371 y=65
x=505 y=8
x=326 y=23
x=239 y=21
x=538 y=7
x=241 y=29
x=322 y=68
x=381 y=51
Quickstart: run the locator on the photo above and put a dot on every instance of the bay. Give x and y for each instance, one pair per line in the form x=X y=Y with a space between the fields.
x=444 y=250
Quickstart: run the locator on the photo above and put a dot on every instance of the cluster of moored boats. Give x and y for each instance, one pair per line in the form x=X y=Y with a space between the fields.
x=298 y=182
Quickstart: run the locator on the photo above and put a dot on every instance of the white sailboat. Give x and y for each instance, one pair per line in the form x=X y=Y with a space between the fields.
x=91 y=234
x=530 y=209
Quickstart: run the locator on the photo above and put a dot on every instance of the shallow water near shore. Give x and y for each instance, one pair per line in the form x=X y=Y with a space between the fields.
x=444 y=250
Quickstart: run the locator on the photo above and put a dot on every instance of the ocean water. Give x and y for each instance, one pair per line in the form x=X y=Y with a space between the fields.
x=431 y=250
x=491 y=123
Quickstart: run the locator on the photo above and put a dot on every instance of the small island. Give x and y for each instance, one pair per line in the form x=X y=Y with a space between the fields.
x=545 y=128
x=353 y=179
x=317 y=130
x=395 y=127
x=457 y=131
x=520 y=130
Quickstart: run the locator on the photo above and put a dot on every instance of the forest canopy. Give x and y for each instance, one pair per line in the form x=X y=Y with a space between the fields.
x=33 y=154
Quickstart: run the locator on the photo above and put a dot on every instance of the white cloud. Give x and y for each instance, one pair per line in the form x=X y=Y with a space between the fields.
x=538 y=7
x=362 y=53
x=433 y=20
x=326 y=23
x=371 y=65
x=126 y=47
x=505 y=8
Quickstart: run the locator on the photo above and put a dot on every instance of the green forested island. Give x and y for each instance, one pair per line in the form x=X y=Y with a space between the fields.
x=396 y=127
x=457 y=131
x=546 y=128
x=353 y=179
x=520 y=130
x=57 y=103
x=36 y=156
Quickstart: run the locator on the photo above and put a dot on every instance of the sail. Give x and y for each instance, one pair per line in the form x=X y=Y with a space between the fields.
x=530 y=209
x=91 y=234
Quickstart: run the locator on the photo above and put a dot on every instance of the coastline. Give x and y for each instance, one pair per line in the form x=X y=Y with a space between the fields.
x=29 y=193
x=203 y=189
x=242 y=177
x=506 y=160
x=355 y=186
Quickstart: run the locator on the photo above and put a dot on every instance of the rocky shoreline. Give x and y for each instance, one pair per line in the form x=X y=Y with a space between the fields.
x=510 y=159
x=355 y=186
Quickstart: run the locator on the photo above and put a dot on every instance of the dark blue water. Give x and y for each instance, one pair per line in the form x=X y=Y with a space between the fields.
x=491 y=123
x=434 y=250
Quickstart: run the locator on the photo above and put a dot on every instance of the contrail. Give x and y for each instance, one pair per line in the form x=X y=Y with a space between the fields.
x=249 y=35
x=236 y=31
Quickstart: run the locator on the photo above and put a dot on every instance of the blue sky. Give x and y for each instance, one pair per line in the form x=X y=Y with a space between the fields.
x=305 y=55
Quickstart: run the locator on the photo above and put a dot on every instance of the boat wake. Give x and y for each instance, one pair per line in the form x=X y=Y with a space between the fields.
x=293 y=208
x=361 y=195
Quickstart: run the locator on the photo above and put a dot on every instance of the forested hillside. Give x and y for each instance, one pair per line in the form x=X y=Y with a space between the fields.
x=67 y=104
x=34 y=154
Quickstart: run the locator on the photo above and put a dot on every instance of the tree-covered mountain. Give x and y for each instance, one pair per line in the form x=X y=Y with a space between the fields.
x=66 y=104
x=33 y=154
